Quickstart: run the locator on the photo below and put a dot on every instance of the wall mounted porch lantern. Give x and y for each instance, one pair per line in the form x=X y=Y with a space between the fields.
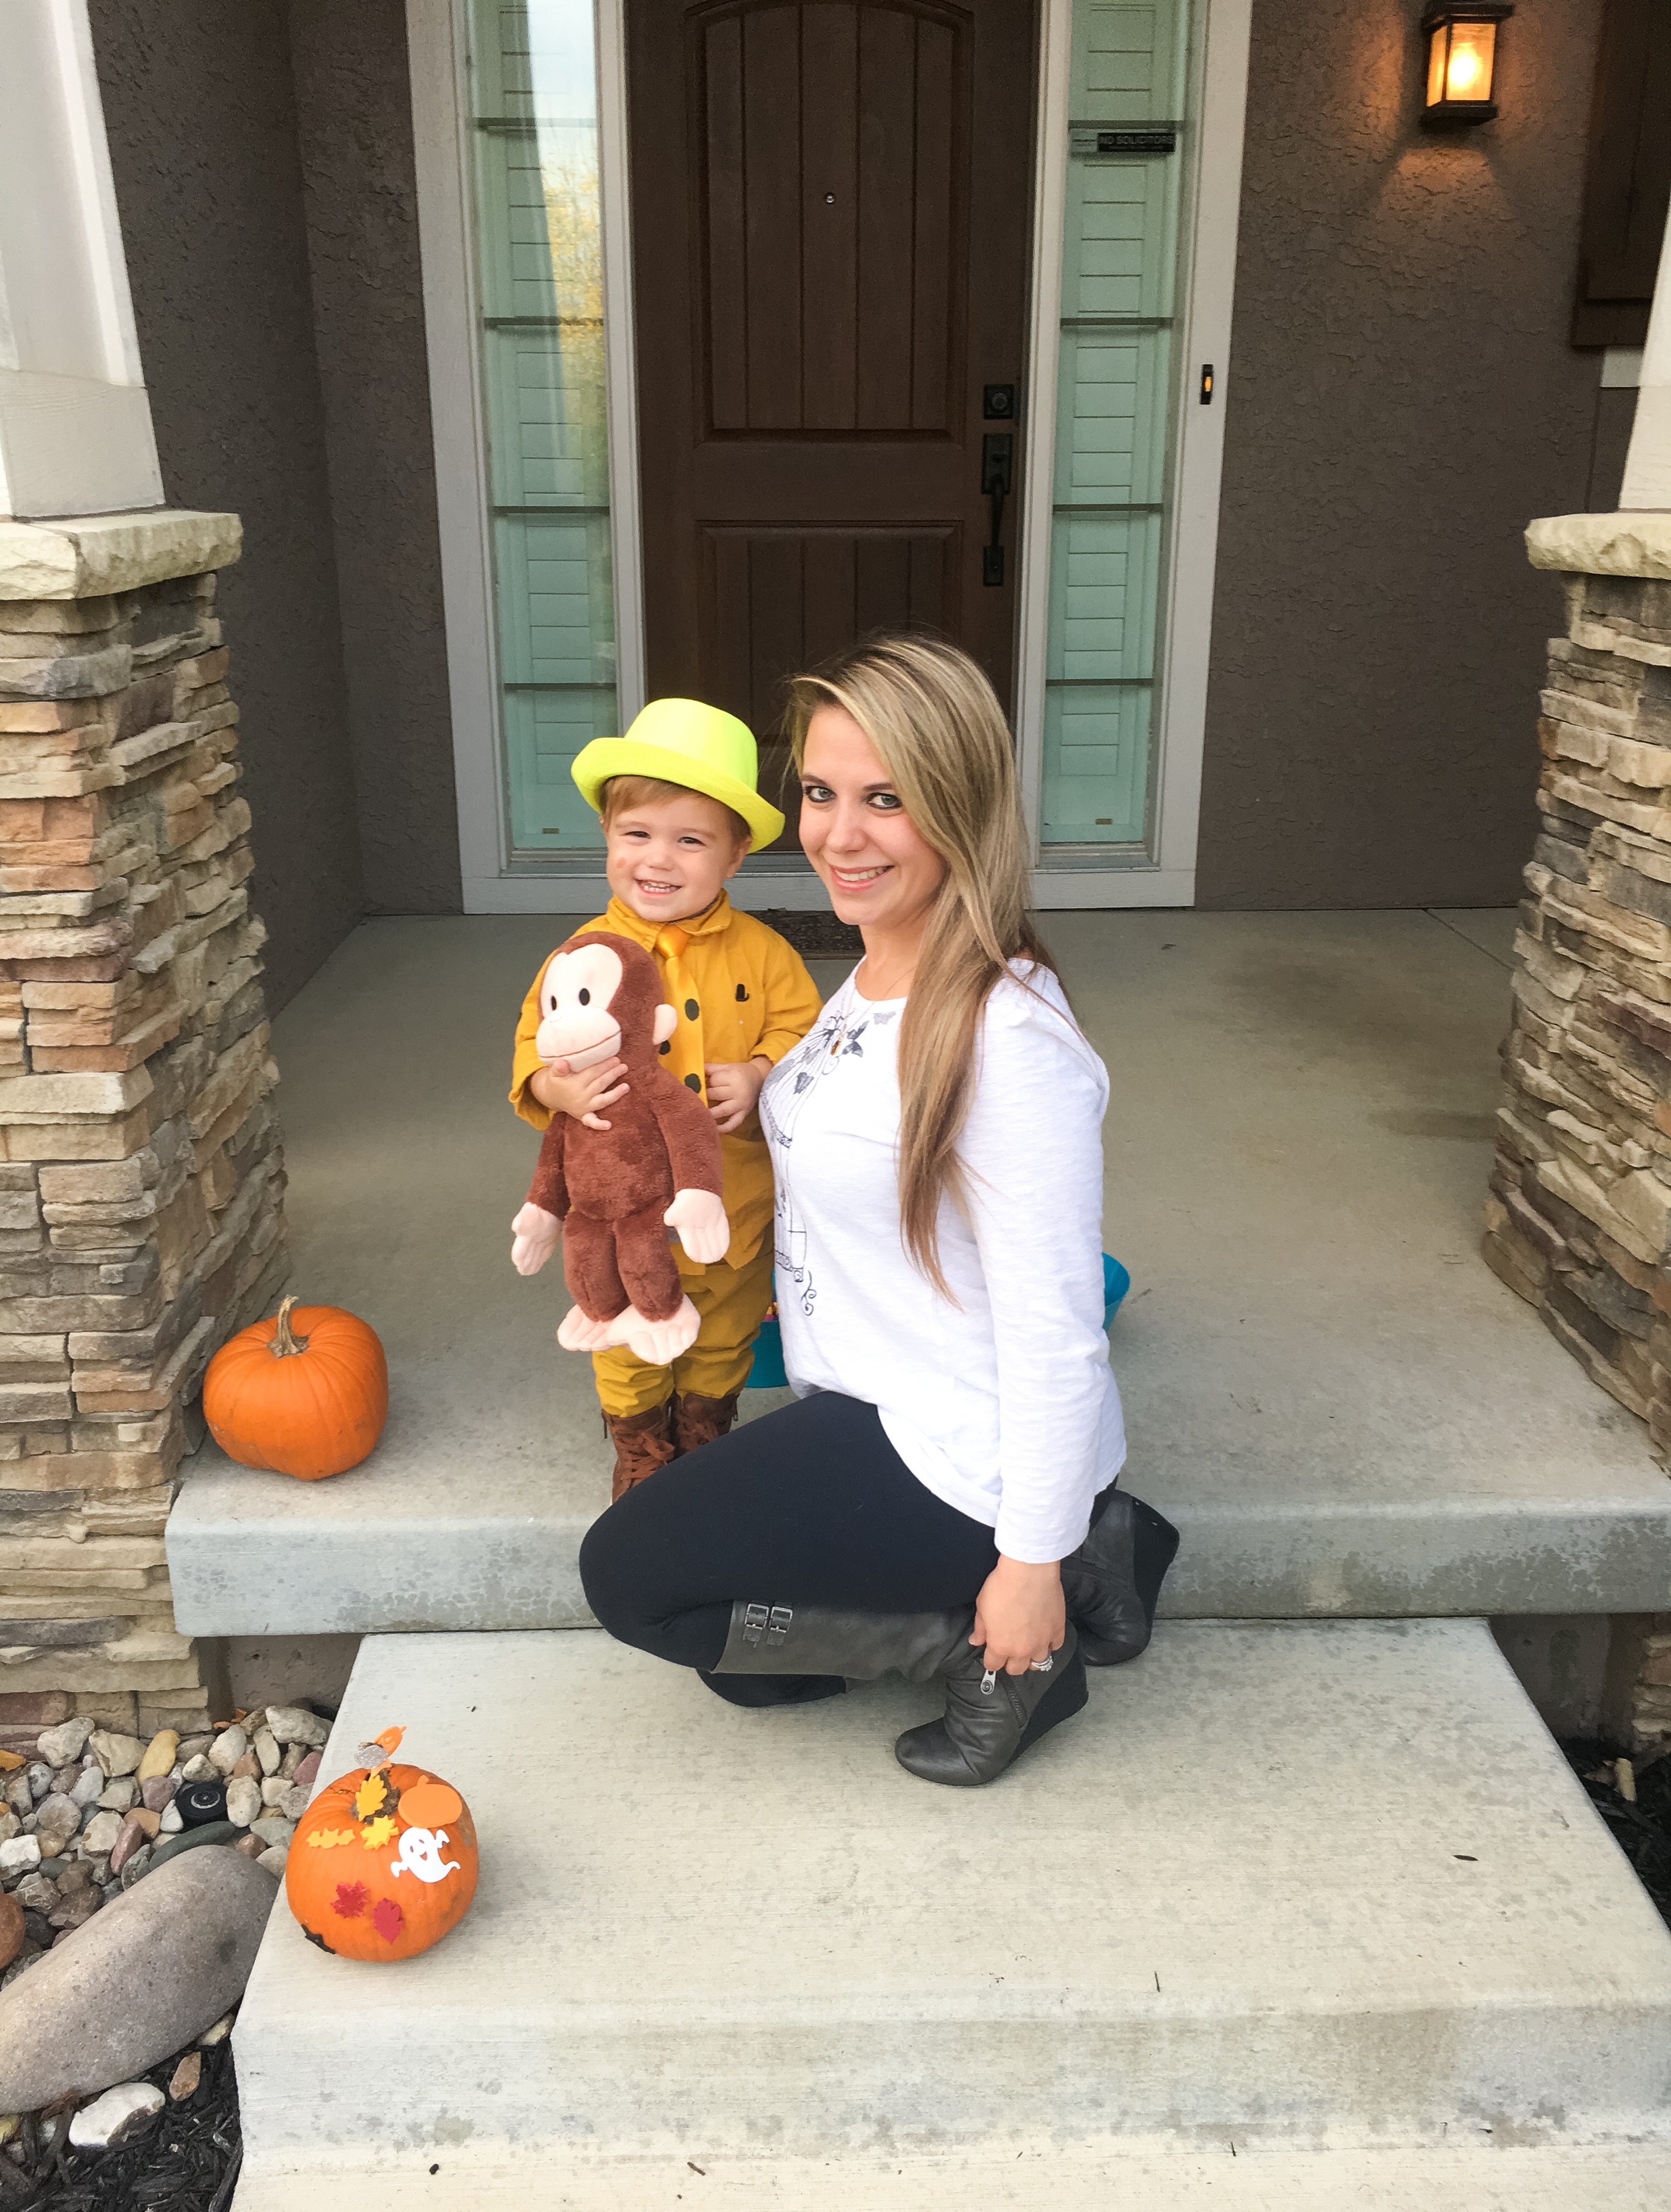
x=1461 y=62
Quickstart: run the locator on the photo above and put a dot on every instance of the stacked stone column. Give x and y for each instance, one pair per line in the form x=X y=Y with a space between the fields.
x=141 y=1177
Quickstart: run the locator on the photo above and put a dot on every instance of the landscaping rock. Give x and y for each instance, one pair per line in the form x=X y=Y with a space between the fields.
x=38 y=1893
x=275 y=1859
x=134 y=1833
x=76 y=1909
x=183 y=2081
x=38 y=1776
x=243 y=1801
x=116 y=2117
x=117 y=1755
x=196 y=1769
x=265 y=1745
x=290 y=1724
x=307 y=1773
x=273 y=1829
x=137 y=1983
x=250 y=1844
x=218 y=2033
x=88 y=1786
x=191 y=1748
x=214 y=1832
x=172 y=1822
x=59 y=1746
x=57 y=1819
x=228 y=1748
x=19 y=1855
x=158 y=1792
x=10 y=1824
x=99 y=1835
x=159 y=1756
x=249 y=1765
x=117 y=1797
x=12 y=1930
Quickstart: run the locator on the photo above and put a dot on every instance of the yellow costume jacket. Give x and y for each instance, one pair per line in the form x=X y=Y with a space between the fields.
x=756 y=1001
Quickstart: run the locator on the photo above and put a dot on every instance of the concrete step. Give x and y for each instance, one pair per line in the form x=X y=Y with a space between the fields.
x=1634 y=2179
x=1318 y=1887
x=1343 y=1410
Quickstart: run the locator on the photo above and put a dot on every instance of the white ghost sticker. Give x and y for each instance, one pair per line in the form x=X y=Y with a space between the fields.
x=421 y=1854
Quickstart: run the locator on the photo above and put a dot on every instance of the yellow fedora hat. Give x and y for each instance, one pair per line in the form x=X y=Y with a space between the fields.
x=684 y=742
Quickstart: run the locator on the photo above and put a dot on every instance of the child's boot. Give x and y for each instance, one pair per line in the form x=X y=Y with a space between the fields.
x=643 y=1444
x=698 y=1420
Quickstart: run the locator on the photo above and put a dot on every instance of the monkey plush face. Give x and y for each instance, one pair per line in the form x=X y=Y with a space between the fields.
x=593 y=999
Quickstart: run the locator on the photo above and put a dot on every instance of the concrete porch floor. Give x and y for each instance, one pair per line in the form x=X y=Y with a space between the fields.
x=1344 y=1411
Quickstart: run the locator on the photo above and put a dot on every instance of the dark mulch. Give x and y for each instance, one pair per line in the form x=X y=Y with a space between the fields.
x=187 y=2161
x=815 y=936
x=1642 y=1830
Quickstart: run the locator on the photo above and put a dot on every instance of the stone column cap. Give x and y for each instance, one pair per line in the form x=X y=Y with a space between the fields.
x=1630 y=544
x=82 y=556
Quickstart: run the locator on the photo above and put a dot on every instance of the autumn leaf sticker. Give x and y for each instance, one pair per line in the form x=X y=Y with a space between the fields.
x=350 y=1899
x=325 y=1839
x=377 y=1833
x=387 y=1918
x=373 y=1795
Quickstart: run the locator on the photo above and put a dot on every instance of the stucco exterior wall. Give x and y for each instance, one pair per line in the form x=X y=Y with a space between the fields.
x=1402 y=401
x=201 y=118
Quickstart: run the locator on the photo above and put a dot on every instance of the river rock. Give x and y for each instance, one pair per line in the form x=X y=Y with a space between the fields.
x=290 y=1724
x=57 y=1819
x=249 y=1765
x=275 y=1859
x=12 y=1930
x=305 y=1773
x=183 y=2081
x=116 y=2117
x=59 y=1746
x=243 y=1801
x=145 y=1976
x=172 y=1822
x=198 y=1769
x=88 y=1786
x=117 y=1755
x=228 y=1748
x=116 y=1797
x=265 y=1745
x=133 y=1835
x=192 y=1747
x=158 y=1755
x=157 y=1791
x=100 y=1834
x=213 y=1831
x=249 y=1843
x=273 y=1829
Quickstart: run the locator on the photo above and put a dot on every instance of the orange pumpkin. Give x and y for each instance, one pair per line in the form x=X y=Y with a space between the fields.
x=383 y=1861
x=306 y=1393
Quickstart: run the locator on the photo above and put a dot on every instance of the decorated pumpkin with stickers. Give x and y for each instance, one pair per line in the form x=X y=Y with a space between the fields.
x=383 y=1862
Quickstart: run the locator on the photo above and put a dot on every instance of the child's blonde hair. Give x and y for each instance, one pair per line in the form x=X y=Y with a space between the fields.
x=938 y=727
x=624 y=791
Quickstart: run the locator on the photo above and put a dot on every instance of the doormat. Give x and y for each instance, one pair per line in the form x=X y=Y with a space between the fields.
x=816 y=936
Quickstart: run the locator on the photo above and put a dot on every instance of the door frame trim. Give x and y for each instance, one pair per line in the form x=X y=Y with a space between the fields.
x=1165 y=874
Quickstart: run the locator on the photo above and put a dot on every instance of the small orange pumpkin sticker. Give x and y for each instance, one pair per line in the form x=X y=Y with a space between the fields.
x=430 y=1805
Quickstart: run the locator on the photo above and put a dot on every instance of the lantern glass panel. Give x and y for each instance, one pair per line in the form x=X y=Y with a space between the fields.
x=1438 y=50
x=1468 y=69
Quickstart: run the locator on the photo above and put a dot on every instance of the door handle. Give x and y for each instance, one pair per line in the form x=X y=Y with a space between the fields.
x=997 y=462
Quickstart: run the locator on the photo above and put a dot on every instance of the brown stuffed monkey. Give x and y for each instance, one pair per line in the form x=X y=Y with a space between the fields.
x=618 y=1190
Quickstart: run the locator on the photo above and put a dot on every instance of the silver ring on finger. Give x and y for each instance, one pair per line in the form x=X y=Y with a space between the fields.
x=1042 y=1666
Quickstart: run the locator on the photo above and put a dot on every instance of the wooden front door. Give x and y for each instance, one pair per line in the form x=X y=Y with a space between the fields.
x=831 y=218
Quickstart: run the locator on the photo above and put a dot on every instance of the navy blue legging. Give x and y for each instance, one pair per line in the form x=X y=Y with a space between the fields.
x=809 y=1506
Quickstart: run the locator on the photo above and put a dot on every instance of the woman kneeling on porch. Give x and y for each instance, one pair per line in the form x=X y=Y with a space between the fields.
x=924 y=1508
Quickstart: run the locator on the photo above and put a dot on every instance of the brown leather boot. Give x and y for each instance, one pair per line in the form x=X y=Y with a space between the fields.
x=643 y=1442
x=698 y=1420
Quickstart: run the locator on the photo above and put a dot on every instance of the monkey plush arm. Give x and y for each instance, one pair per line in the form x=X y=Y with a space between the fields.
x=698 y=1211
x=538 y=1226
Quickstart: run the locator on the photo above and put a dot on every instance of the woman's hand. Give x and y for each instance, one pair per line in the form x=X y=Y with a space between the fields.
x=1020 y=1615
x=733 y=1090
x=580 y=1095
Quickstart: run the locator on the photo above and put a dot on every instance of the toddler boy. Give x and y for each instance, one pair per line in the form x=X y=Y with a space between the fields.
x=679 y=809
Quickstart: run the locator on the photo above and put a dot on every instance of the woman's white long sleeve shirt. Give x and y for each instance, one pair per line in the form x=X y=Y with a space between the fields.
x=1001 y=1399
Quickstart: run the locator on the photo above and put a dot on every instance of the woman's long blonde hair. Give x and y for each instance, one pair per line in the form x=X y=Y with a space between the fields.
x=939 y=730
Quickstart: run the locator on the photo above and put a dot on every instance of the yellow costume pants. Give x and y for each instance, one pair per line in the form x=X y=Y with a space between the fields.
x=732 y=1303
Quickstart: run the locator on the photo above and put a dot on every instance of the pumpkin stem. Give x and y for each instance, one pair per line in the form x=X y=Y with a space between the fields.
x=284 y=1342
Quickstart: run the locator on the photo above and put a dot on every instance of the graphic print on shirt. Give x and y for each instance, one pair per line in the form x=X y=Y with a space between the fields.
x=835 y=1038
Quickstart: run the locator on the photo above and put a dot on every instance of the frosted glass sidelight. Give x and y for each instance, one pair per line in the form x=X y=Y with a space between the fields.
x=1115 y=432
x=539 y=261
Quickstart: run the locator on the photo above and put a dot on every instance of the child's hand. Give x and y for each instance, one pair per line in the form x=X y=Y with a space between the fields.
x=580 y=1095
x=733 y=1090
